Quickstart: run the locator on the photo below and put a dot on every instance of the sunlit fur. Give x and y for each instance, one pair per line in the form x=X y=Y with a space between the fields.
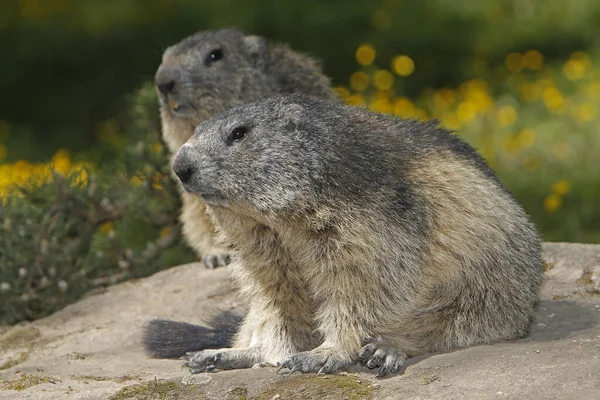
x=354 y=227
x=250 y=67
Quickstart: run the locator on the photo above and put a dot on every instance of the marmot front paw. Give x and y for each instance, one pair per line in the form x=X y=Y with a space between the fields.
x=321 y=361
x=380 y=354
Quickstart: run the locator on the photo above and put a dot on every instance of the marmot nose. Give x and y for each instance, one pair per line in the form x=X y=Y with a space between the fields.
x=166 y=87
x=184 y=173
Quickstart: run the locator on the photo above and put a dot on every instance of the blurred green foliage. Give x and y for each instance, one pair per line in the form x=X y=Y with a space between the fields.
x=67 y=63
x=71 y=228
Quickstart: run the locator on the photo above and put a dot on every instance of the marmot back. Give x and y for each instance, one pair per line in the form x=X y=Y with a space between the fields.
x=210 y=72
x=357 y=228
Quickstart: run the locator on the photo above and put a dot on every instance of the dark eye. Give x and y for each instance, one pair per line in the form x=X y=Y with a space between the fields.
x=214 y=56
x=237 y=133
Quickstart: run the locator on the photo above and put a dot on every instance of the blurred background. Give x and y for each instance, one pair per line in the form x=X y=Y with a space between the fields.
x=518 y=79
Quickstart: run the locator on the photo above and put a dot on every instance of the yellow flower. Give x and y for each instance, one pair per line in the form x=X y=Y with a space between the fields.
x=61 y=162
x=530 y=91
x=383 y=94
x=553 y=99
x=514 y=62
x=577 y=66
x=552 y=202
x=403 y=65
x=477 y=95
x=382 y=106
x=466 y=111
x=561 y=187
x=157 y=181
x=359 y=81
x=365 y=54
x=157 y=147
x=22 y=171
x=507 y=115
x=342 y=93
x=80 y=173
x=106 y=228
x=451 y=121
x=446 y=96
x=526 y=138
x=166 y=231
x=383 y=79
x=136 y=181
x=533 y=60
x=403 y=107
x=356 y=100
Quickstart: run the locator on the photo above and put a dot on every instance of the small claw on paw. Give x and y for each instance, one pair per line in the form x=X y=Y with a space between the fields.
x=323 y=371
x=382 y=355
x=376 y=359
x=367 y=351
x=282 y=366
x=392 y=364
x=294 y=369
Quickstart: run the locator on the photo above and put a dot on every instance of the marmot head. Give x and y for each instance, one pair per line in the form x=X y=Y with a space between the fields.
x=210 y=72
x=261 y=155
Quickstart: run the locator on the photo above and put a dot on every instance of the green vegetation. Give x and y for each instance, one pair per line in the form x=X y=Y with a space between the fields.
x=26 y=381
x=346 y=386
x=520 y=80
x=159 y=389
x=70 y=227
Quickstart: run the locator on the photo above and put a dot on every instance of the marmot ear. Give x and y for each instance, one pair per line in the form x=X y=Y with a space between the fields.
x=293 y=114
x=256 y=47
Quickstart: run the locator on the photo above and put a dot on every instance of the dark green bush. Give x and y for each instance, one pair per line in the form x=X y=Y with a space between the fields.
x=90 y=228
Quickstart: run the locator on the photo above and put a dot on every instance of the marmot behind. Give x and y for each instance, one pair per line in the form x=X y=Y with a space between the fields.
x=210 y=72
x=359 y=236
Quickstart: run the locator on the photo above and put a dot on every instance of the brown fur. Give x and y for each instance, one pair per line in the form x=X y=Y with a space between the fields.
x=359 y=236
x=250 y=67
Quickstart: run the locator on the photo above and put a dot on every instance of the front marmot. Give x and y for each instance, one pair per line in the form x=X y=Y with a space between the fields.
x=359 y=236
x=210 y=72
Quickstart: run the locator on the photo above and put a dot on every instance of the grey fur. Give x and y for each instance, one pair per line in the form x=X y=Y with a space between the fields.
x=194 y=89
x=359 y=236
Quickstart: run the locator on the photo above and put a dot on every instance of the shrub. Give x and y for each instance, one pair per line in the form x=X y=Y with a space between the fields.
x=67 y=228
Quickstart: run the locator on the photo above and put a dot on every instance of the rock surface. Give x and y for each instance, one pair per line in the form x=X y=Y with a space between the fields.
x=91 y=349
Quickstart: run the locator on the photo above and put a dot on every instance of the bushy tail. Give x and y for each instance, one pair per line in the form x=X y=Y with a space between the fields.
x=171 y=339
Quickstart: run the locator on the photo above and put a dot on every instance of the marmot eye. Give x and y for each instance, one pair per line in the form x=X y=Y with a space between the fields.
x=237 y=133
x=214 y=55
